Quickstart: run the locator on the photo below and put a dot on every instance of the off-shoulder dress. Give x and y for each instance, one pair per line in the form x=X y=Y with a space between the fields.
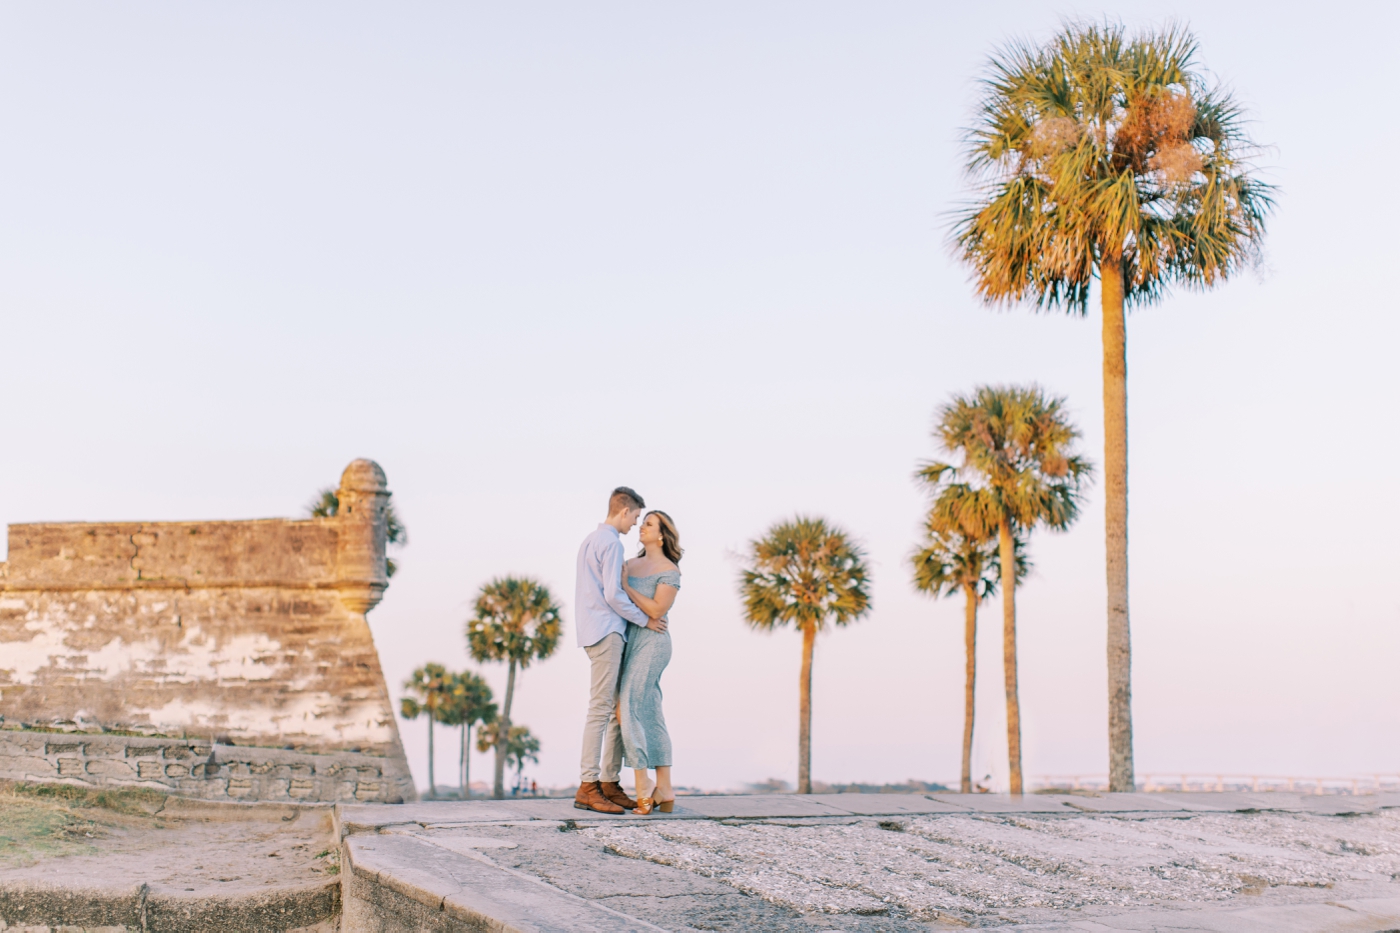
x=645 y=741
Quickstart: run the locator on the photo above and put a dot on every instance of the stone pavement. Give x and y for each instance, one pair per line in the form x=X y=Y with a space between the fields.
x=1225 y=863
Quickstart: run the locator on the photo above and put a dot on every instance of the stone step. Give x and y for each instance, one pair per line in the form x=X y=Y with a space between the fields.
x=399 y=882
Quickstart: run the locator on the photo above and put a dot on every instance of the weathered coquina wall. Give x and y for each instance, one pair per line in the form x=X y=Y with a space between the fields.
x=247 y=632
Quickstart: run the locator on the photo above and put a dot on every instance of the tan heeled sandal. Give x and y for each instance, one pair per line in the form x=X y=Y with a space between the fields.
x=667 y=806
x=645 y=805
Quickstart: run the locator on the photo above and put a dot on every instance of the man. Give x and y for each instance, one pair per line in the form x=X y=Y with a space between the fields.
x=602 y=613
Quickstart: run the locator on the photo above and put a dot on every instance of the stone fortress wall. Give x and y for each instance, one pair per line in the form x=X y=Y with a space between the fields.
x=215 y=659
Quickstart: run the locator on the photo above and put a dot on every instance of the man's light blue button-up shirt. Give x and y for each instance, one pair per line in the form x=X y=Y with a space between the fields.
x=601 y=605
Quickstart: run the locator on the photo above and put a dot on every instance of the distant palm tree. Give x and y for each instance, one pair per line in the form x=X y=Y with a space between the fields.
x=468 y=703
x=432 y=686
x=952 y=560
x=520 y=746
x=517 y=621
x=327 y=504
x=1103 y=154
x=804 y=573
x=1017 y=442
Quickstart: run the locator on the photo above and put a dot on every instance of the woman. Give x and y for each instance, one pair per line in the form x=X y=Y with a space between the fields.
x=652 y=580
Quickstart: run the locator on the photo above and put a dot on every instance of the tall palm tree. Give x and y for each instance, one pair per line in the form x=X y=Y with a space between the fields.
x=327 y=504
x=520 y=746
x=1017 y=443
x=517 y=621
x=804 y=573
x=432 y=689
x=469 y=702
x=953 y=560
x=1109 y=155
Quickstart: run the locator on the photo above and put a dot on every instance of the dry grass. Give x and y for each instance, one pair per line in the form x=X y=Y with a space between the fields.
x=49 y=820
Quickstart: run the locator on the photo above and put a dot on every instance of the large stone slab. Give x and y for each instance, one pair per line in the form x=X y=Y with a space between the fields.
x=1006 y=803
x=761 y=806
x=371 y=818
x=405 y=882
x=1129 y=803
x=885 y=804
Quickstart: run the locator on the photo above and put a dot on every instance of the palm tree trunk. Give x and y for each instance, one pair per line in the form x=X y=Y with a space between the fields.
x=432 y=786
x=969 y=691
x=1008 y=652
x=503 y=735
x=464 y=769
x=1115 y=457
x=804 y=712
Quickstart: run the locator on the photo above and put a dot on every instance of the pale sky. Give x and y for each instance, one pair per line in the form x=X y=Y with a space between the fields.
x=521 y=253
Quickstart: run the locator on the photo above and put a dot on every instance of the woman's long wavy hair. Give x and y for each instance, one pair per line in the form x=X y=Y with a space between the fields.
x=670 y=537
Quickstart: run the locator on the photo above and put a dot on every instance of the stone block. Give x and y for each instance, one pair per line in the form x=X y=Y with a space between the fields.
x=64 y=748
x=1125 y=803
x=760 y=806
x=1006 y=803
x=70 y=767
x=110 y=768
x=370 y=818
x=27 y=768
x=883 y=804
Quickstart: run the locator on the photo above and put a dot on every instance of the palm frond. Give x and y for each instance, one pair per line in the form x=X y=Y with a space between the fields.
x=514 y=618
x=1105 y=146
x=804 y=573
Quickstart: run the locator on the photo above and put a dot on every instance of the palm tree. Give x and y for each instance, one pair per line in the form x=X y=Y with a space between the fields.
x=469 y=702
x=1017 y=443
x=517 y=621
x=1109 y=155
x=953 y=560
x=433 y=687
x=804 y=573
x=520 y=746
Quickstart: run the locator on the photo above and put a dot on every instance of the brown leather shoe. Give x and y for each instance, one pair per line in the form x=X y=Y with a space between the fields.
x=614 y=792
x=590 y=797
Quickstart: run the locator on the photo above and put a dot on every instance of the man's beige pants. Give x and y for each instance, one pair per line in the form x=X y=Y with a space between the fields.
x=601 y=729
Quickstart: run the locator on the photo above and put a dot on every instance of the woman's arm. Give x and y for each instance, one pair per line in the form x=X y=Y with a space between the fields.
x=659 y=605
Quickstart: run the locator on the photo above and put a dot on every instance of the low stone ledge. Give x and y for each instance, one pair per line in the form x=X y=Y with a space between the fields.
x=195 y=768
x=304 y=908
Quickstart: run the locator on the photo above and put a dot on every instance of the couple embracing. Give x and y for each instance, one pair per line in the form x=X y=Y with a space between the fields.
x=620 y=609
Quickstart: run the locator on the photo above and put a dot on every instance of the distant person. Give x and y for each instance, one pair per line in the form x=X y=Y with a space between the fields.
x=605 y=617
x=651 y=580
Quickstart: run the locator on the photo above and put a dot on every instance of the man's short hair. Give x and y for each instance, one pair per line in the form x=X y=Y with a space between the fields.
x=624 y=497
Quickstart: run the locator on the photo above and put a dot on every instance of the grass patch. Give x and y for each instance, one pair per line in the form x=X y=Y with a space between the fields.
x=50 y=820
x=332 y=857
x=133 y=801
